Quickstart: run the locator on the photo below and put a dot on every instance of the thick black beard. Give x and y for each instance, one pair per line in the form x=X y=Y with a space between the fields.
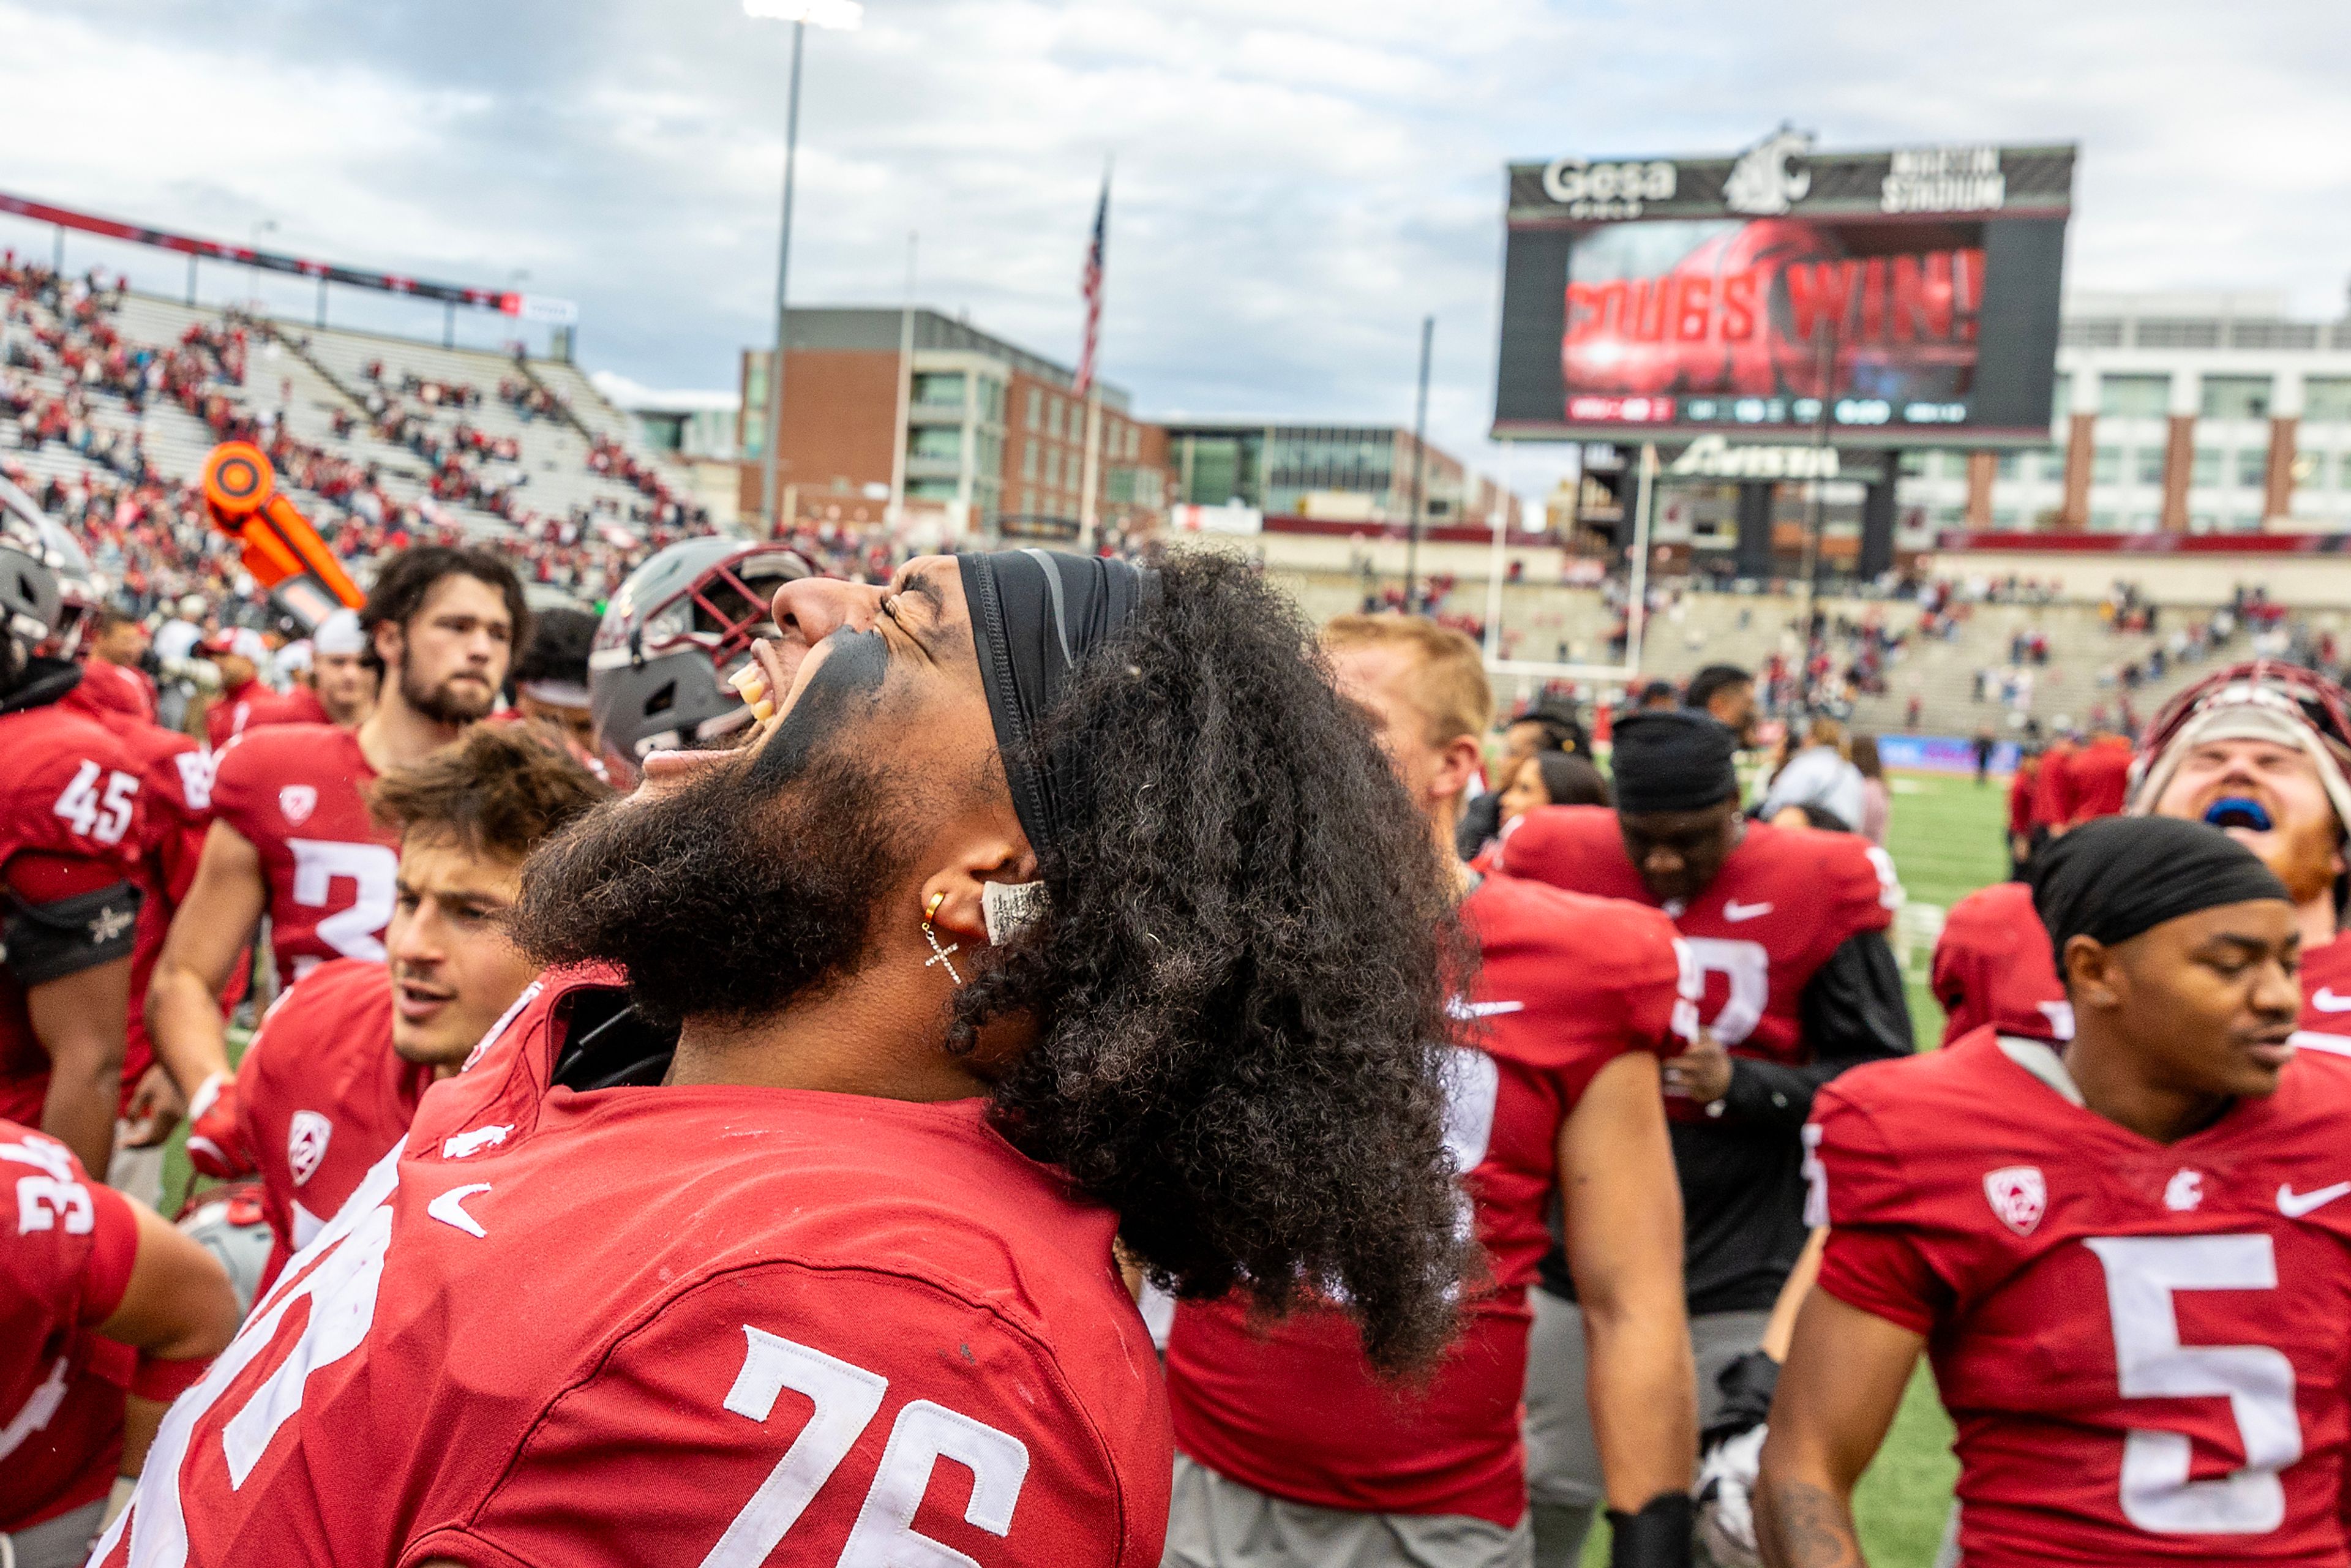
x=729 y=898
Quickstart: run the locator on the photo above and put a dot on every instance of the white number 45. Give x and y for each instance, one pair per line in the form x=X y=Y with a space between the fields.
x=846 y=1399
x=104 y=820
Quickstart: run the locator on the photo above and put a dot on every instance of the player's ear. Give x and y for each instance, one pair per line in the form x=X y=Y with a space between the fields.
x=2089 y=973
x=959 y=888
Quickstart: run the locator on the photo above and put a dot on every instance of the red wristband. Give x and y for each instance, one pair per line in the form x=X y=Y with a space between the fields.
x=165 y=1381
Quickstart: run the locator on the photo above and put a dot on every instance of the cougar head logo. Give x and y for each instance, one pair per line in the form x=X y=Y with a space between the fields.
x=1765 y=180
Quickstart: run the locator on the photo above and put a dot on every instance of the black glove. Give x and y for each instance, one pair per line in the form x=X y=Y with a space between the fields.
x=1747 y=1386
x=1657 y=1537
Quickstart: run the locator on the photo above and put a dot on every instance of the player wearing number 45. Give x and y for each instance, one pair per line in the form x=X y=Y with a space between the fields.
x=71 y=829
x=2129 y=1255
x=1052 y=899
x=291 y=837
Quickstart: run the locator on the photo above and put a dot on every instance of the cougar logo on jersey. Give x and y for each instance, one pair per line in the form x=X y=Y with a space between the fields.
x=306 y=1144
x=298 y=802
x=2019 y=1197
x=2184 y=1191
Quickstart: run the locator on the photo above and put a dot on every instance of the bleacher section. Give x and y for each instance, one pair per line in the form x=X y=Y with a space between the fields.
x=317 y=382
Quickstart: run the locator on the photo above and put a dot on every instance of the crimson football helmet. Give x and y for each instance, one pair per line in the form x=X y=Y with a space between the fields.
x=2262 y=698
x=681 y=623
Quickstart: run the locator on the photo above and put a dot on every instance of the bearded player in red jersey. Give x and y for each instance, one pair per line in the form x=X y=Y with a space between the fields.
x=106 y=1314
x=333 y=1077
x=1055 y=899
x=70 y=831
x=1788 y=925
x=291 y=836
x=2262 y=751
x=2128 y=1257
x=1291 y=1452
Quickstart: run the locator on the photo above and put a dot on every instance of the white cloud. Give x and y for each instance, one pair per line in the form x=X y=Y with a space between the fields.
x=1298 y=180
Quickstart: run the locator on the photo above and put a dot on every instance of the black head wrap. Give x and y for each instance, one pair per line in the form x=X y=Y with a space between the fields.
x=2115 y=877
x=1034 y=615
x=1673 y=760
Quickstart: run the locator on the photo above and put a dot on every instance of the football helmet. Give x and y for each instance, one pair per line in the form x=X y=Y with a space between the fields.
x=227 y=1222
x=2262 y=699
x=681 y=623
x=26 y=528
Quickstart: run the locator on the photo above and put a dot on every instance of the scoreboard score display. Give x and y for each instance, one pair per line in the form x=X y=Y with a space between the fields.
x=1915 y=292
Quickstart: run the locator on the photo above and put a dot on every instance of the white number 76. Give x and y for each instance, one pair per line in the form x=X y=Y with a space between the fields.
x=846 y=1399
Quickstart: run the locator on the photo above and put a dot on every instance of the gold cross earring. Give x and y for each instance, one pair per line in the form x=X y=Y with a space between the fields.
x=939 y=954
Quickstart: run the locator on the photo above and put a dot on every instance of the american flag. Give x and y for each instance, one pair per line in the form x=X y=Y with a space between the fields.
x=1090 y=285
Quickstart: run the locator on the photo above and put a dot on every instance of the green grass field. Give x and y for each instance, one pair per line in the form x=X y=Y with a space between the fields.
x=1945 y=839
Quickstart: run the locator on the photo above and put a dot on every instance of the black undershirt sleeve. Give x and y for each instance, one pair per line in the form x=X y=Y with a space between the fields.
x=45 y=942
x=1853 y=1011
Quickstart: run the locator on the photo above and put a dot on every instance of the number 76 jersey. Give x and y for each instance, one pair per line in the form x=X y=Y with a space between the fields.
x=2144 y=1346
x=716 y=1325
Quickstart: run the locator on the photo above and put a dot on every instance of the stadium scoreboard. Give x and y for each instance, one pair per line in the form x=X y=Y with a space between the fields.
x=1661 y=299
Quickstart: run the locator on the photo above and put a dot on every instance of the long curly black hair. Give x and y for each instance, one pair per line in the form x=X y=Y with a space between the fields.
x=1241 y=979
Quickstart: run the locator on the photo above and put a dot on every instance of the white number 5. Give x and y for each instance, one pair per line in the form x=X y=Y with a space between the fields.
x=846 y=1399
x=2142 y=1272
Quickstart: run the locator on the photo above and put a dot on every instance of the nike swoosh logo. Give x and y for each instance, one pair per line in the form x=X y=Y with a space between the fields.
x=1734 y=911
x=2327 y=1002
x=2294 y=1205
x=1484 y=1010
x=449 y=1208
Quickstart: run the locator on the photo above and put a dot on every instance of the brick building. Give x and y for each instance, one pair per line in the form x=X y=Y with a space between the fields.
x=1357 y=474
x=882 y=405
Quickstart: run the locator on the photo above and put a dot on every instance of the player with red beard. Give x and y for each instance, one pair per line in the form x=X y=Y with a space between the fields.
x=106 y=1313
x=333 y=1077
x=1056 y=900
x=2128 y=1257
x=70 y=831
x=2262 y=751
x=291 y=836
x=1788 y=925
x=1291 y=1453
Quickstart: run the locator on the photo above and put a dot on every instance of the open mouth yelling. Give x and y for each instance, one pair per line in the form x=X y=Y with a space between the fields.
x=2239 y=812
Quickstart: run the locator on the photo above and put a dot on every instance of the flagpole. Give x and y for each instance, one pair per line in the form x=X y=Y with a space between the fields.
x=1089 y=521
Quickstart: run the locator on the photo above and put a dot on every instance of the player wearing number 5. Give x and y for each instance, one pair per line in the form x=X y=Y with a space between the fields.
x=70 y=833
x=2129 y=1255
x=291 y=837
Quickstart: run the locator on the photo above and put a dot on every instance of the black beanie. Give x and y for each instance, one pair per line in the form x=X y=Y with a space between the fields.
x=1672 y=760
x=2117 y=877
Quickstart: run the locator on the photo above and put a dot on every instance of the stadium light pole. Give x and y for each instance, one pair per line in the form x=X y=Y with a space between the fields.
x=1419 y=466
x=253 y=271
x=844 y=15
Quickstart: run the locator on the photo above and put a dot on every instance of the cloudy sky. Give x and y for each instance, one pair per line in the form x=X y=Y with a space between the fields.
x=1297 y=182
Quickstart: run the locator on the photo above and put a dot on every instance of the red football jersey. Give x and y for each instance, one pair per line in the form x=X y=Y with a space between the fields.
x=2097 y=780
x=2023 y=787
x=69 y=799
x=2141 y=1345
x=2052 y=793
x=254 y=705
x=295 y=792
x=67 y=1244
x=320 y=1095
x=1993 y=966
x=1294 y=1408
x=1785 y=900
x=860 y=1330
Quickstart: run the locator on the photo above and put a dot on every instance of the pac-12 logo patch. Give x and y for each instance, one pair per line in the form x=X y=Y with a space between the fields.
x=2019 y=1197
x=298 y=802
x=306 y=1144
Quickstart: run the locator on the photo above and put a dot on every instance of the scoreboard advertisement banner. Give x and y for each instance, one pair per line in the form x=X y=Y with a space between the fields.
x=1915 y=291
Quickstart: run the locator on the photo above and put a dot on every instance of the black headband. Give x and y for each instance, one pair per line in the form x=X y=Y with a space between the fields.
x=2117 y=877
x=1035 y=614
x=1672 y=759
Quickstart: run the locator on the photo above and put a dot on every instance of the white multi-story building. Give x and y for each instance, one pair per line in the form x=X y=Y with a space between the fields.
x=2174 y=414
